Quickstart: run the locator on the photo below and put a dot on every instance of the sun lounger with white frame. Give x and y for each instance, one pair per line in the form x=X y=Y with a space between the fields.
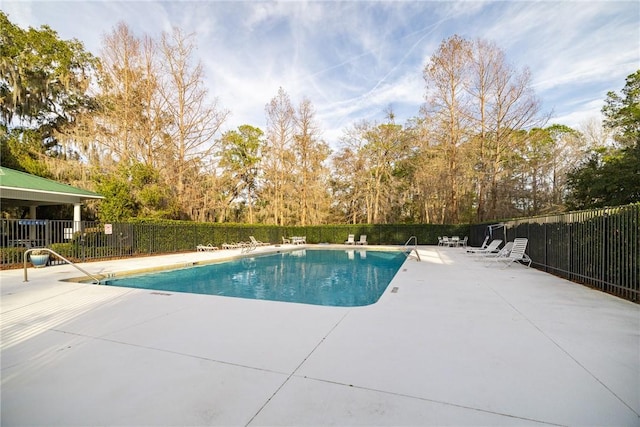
x=516 y=254
x=491 y=248
x=206 y=248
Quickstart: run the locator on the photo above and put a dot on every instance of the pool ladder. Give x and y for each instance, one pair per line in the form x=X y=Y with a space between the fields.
x=414 y=248
x=51 y=251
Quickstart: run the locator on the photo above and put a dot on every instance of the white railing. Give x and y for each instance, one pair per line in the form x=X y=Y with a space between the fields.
x=51 y=251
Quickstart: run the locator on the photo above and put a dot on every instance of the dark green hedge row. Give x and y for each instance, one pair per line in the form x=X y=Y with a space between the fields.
x=176 y=237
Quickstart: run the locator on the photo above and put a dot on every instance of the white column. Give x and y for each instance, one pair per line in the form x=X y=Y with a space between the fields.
x=33 y=232
x=77 y=216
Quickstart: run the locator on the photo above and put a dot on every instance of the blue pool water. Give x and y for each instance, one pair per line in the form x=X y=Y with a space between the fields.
x=323 y=277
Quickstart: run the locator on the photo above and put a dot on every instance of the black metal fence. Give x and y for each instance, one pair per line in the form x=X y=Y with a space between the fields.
x=599 y=248
x=85 y=241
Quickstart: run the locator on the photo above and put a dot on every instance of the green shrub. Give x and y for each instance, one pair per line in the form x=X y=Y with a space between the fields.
x=64 y=249
x=12 y=255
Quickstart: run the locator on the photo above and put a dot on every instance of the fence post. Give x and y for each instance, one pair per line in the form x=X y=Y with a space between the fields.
x=605 y=249
x=83 y=255
x=546 y=259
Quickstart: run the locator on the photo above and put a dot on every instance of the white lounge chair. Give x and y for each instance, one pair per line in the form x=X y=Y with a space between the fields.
x=516 y=254
x=285 y=240
x=257 y=242
x=502 y=253
x=483 y=246
x=206 y=248
x=232 y=245
x=491 y=248
x=363 y=240
x=350 y=240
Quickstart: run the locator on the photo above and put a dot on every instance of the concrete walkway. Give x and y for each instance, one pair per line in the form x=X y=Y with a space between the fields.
x=455 y=343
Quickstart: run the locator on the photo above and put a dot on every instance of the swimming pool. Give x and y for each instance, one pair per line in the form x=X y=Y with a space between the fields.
x=345 y=278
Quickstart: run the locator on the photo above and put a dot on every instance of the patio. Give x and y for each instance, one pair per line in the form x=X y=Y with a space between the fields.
x=457 y=343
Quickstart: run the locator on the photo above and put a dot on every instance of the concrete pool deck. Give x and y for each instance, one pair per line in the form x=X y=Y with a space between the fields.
x=455 y=343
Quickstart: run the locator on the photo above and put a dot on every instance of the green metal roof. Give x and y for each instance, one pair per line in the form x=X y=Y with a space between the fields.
x=20 y=186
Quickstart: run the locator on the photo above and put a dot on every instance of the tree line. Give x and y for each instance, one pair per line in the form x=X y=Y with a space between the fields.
x=138 y=125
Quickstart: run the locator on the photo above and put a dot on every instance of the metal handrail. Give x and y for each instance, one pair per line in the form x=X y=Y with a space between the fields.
x=59 y=256
x=410 y=239
x=415 y=246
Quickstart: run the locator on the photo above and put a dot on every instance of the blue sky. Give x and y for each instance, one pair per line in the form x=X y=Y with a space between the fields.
x=355 y=59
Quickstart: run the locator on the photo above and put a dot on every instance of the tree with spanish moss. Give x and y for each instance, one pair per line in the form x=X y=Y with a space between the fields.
x=44 y=88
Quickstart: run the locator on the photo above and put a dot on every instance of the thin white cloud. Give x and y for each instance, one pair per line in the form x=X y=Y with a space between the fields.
x=582 y=113
x=354 y=59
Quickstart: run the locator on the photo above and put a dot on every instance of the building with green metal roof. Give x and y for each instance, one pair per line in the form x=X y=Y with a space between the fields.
x=20 y=189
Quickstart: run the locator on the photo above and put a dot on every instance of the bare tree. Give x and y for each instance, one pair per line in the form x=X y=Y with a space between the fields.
x=310 y=153
x=485 y=60
x=429 y=178
x=349 y=181
x=448 y=111
x=476 y=105
x=128 y=89
x=595 y=135
x=278 y=157
x=191 y=119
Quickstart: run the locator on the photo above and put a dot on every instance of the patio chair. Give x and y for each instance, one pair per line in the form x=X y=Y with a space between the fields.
x=445 y=241
x=363 y=240
x=350 y=240
x=453 y=241
x=285 y=240
x=463 y=242
x=516 y=254
x=440 y=241
x=491 y=248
